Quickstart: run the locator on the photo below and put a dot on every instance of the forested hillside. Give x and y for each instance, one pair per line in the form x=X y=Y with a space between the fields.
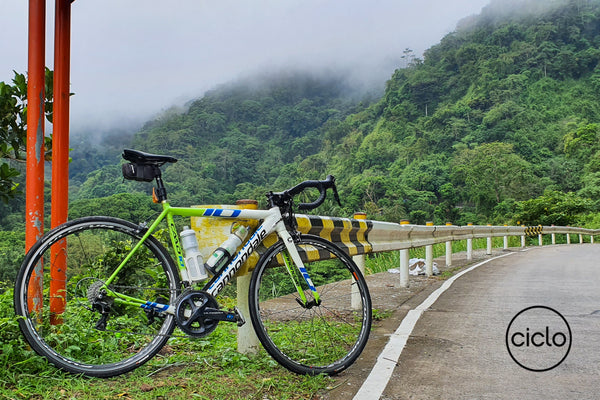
x=497 y=123
x=503 y=110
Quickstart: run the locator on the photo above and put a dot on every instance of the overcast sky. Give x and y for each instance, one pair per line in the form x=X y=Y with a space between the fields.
x=130 y=59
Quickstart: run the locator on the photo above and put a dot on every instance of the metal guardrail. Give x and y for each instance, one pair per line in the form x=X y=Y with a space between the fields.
x=359 y=236
x=362 y=236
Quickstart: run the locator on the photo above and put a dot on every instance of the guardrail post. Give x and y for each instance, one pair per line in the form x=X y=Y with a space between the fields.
x=580 y=238
x=553 y=236
x=469 y=246
x=248 y=342
x=540 y=239
x=449 y=249
x=359 y=259
x=404 y=257
x=505 y=241
x=489 y=244
x=591 y=238
x=523 y=238
x=429 y=256
x=568 y=238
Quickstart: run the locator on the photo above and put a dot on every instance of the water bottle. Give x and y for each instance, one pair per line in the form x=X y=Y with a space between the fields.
x=223 y=255
x=193 y=259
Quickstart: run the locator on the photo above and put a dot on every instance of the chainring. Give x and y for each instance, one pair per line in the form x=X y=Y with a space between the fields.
x=189 y=316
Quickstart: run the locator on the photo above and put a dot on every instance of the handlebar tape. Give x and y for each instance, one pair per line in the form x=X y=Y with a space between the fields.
x=322 y=186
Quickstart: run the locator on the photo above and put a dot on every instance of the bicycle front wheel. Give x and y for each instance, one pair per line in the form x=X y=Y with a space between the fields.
x=307 y=335
x=67 y=315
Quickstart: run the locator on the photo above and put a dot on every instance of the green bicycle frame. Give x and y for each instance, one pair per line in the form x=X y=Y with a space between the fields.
x=272 y=222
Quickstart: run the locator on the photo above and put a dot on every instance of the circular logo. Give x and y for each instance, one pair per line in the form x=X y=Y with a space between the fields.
x=538 y=338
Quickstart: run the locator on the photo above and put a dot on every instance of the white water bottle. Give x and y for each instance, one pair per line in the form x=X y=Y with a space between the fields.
x=193 y=259
x=223 y=255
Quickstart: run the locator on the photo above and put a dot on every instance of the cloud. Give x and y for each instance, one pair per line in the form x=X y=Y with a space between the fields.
x=133 y=58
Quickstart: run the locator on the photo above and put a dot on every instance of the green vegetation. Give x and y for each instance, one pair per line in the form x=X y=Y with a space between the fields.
x=185 y=369
x=13 y=132
x=502 y=111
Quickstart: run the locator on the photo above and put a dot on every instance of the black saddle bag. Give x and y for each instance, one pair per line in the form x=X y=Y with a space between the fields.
x=140 y=172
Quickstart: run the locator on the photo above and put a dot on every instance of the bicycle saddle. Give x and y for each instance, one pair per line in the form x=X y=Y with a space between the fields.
x=137 y=156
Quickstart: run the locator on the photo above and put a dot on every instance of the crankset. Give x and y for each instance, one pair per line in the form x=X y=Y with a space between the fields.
x=197 y=313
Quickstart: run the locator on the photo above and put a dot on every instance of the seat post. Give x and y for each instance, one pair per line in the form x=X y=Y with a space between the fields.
x=161 y=191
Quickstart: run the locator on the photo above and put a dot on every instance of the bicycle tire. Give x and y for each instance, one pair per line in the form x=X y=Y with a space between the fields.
x=70 y=339
x=325 y=338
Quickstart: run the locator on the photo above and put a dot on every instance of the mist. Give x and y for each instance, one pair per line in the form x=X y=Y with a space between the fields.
x=133 y=59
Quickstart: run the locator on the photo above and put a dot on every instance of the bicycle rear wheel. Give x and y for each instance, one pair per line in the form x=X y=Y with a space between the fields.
x=325 y=336
x=63 y=313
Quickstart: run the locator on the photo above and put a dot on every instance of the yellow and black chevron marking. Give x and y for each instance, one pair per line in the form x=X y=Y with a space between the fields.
x=533 y=230
x=349 y=234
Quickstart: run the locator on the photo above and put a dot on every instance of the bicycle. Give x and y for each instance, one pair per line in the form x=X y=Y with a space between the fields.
x=100 y=296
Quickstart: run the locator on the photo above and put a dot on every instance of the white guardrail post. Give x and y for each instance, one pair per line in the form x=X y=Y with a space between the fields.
x=404 y=259
x=359 y=259
x=469 y=245
x=488 y=249
x=449 y=249
x=429 y=256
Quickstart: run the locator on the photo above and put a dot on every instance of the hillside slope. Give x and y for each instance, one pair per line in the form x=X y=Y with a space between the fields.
x=498 y=112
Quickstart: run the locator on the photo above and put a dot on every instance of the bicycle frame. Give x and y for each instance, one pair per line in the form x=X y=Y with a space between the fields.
x=272 y=222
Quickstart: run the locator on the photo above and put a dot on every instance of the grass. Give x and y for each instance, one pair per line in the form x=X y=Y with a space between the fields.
x=207 y=368
x=196 y=369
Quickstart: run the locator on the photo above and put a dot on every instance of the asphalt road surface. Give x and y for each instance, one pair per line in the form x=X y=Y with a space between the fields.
x=486 y=338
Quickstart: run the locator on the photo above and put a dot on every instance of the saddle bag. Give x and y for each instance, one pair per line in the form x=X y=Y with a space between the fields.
x=140 y=172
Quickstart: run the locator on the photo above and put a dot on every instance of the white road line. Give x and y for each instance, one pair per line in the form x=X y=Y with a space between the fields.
x=375 y=384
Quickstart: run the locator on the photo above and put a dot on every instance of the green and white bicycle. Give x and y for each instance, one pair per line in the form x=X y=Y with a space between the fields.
x=100 y=296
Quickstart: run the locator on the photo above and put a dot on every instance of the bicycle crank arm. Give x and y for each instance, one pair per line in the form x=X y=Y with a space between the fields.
x=220 y=315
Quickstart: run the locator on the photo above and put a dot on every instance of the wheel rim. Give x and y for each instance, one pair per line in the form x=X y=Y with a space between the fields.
x=320 y=338
x=72 y=339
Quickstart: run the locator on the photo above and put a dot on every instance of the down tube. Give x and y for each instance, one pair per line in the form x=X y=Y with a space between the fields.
x=217 y=285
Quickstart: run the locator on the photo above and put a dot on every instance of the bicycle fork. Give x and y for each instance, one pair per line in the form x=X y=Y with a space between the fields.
x=291 y=258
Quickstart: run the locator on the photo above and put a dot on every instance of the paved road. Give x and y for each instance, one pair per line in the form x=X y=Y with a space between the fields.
x=457 y=349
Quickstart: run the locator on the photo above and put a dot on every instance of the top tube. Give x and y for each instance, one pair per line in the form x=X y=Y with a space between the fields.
x=217 y=212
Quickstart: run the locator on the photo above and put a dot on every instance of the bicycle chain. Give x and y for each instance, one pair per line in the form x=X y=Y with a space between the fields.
x=159 y=290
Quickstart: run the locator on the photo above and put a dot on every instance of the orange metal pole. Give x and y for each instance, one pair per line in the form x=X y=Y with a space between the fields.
x=34 y=184
x=60 y=154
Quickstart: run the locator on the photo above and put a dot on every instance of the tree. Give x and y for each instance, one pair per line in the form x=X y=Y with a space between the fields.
x=13 y=129
x=491 y=173
x=553 y=207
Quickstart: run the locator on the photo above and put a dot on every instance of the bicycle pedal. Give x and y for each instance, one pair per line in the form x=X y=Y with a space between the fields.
x=239 y=316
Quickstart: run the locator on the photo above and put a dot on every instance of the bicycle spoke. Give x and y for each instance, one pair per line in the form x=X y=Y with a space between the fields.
x=98 y=333
x=323 y=338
